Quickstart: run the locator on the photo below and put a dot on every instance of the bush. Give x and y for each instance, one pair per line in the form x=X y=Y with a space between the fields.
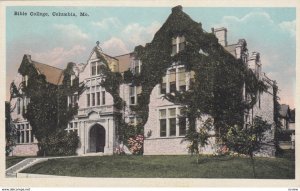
x=136 y=144
x=59 y=143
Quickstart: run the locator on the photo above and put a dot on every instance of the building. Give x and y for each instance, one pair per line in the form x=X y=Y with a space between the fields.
x=96 y=122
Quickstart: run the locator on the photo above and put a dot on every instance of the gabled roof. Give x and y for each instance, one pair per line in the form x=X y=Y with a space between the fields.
x=53 y=75
x=124 y=62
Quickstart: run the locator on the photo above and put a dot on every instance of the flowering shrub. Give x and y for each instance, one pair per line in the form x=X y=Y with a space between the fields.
x=136 y=144
x=119 y=150
x=222 y=150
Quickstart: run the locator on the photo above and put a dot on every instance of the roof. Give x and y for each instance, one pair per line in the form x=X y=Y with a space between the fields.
x=124 y=62
x=284 y=110
x=231 y=49
x=53 y=75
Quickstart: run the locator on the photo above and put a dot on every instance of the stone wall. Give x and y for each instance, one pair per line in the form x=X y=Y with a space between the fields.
x=25 y=150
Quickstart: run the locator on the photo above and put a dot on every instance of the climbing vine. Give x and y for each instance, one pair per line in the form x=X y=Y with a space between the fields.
x=219 y=76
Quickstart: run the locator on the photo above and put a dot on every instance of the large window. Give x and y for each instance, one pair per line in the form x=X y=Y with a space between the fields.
x=172 y=122
x=134 y=93
x=95 y=94
x=24 y=133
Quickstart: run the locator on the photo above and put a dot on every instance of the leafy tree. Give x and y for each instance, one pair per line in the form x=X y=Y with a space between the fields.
x=10 y=131
x=247 y=140
x=48 y=112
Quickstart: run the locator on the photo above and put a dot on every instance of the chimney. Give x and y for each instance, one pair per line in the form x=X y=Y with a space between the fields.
x=178 y=8
x=221 y=34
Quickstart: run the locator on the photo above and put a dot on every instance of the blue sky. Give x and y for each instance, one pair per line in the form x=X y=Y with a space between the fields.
x=59 y=40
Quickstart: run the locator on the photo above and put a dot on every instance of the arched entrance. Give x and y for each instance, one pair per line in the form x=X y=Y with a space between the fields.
x=97 y=138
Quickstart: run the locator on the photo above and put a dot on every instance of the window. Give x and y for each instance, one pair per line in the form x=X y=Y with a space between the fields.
x=72 y=100
x=181 y=43
x=163 y=86
x=24 y=133
x=172 y=122
x=181 y=78
x=25 y=80
x=95 y=94
x=95 y=68
x=134 y=93
x=178 y=44
x=98 y=98
x=136 y=66
x=73 y=127
x=19 y=106
x=182 y=124
x=103 y=97
x=163 y=122
x=172 y=81
x=175 y=80
x=93 y=99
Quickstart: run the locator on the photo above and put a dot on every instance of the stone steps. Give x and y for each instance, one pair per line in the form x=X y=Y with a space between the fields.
x=13 y=170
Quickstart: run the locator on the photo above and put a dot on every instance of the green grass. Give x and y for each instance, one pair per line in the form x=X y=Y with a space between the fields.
x=167 y=167
x=10 y=161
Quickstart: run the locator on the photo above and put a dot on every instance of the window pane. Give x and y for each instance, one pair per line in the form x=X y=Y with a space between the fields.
x=22 y=136
x=163 y=127
x=98 y=68
x=173 y=41
x=182 y=126
x=93 y=99
x=32 y=137
x=163 y=88
x=181 y=46
x=172 y=126
x=172 y=87
x=103 y=97
x=98 y=98
x=132 y=100
x=172 y=112
x=162 y=113
x=174 y=49
x=27 y=136
x=181 y=39
x=93 y=65
x=131 y=90
x=172 y=76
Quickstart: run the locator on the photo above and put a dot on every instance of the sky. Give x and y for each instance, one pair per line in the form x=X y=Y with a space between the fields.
x=58 y=40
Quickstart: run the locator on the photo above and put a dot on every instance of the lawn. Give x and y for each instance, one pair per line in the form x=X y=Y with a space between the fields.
x=10 y=161
x=168 y=167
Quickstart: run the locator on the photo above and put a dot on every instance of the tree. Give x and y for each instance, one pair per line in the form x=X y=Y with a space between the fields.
x=247 y=140
x=10 y=131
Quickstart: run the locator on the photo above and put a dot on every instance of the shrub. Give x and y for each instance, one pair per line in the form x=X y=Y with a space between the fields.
x=136 y=144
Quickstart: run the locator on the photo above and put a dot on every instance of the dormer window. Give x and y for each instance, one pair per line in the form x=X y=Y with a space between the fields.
x=178 y=44
x=95 y=68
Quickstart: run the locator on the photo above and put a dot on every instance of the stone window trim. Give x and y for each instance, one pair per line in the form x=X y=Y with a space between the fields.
x=24 y=134
x=182 y=83
x=167 y=118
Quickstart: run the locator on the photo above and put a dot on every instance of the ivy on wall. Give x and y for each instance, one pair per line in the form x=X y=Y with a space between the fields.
x=219 y=76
